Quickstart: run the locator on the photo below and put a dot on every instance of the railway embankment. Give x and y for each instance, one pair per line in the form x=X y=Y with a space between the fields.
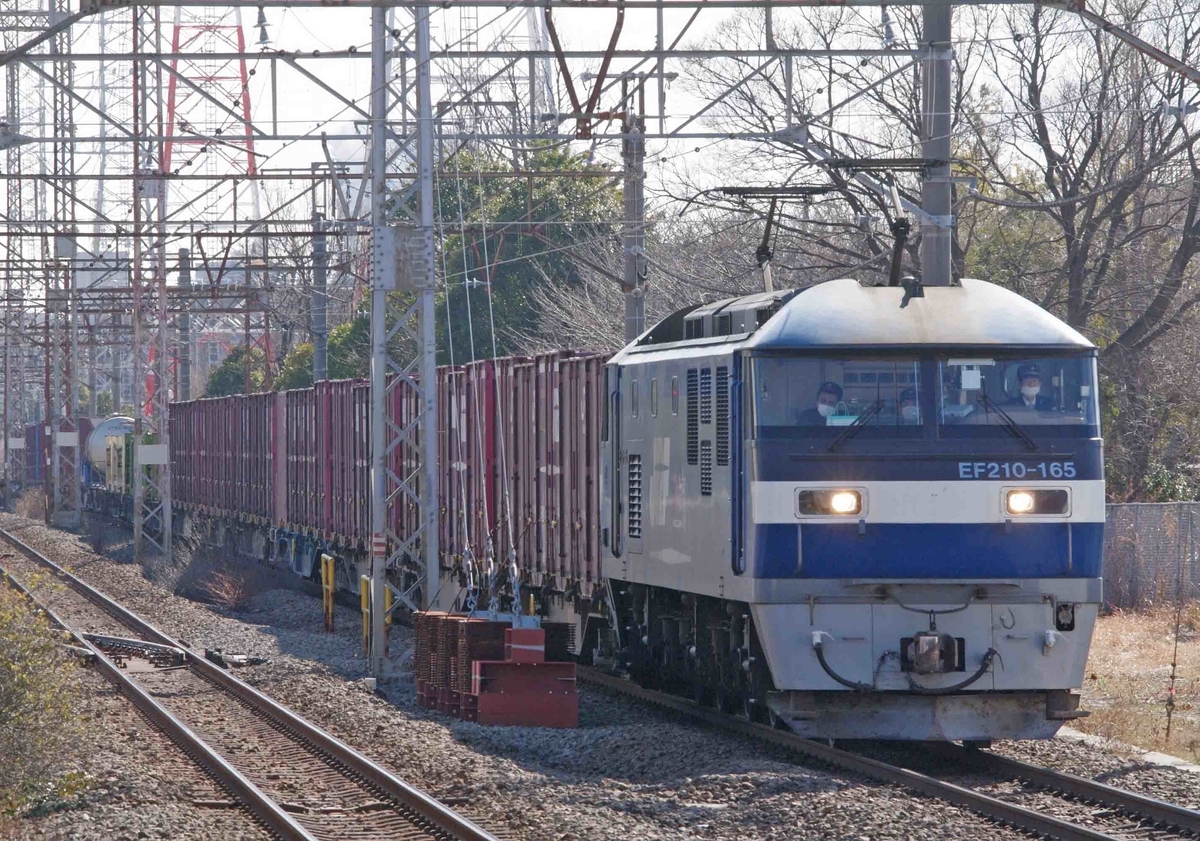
x=627 y=772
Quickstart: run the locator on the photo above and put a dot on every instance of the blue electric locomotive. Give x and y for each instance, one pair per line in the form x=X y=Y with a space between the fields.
x=863 y=519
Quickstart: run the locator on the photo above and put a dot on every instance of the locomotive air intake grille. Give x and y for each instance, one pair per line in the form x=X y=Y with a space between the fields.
x=635 y=496
x=722 y=416
x=706 y=468
x=693 y=415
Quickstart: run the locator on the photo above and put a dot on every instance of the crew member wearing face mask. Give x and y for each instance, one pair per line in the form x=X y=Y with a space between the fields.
x=1029 y=381
x=828 y=396
x=909 y=411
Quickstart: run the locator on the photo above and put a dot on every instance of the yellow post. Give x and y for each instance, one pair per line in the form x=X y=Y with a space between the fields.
x=364 y=589
x=328 y=582
x=387 y=617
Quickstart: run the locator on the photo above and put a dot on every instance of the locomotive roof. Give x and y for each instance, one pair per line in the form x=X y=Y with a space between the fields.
x=844 y=313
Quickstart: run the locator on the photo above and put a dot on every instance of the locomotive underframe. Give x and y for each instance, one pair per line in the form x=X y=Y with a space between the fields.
x=1020 y=663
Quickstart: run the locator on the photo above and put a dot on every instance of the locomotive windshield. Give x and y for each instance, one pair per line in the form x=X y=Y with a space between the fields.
x=952 y=396
x=983 y=396
x=806 y=396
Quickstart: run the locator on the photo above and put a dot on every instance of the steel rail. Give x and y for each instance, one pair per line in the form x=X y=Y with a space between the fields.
x=252 y=798
x=990 y=807
x=1081 y=788
x=440 y=816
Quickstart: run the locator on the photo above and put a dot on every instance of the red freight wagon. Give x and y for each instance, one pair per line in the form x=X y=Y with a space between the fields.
x=451 y=444
x=548 y=412
x=510 y=427
x=480 y=475
x=257 y=477
x=360 y=492
x=517 y=445
x=338 y=470
x=403 y=407
x=300 y=433
x=222 y=454
x=183 y=456
x=583 y=390
x=525 y=461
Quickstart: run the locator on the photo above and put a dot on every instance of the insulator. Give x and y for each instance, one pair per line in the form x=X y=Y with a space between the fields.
x=889 y=34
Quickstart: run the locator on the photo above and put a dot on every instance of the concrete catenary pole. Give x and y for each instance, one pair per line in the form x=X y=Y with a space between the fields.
x=185 y=325
x=116 y=337
x=382 y=279
x=936 y=102
x=633 y=230
x=320 y=324
x=428 y=363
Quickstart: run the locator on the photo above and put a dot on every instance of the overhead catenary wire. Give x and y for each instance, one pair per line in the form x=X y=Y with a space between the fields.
x=514 y=572
x=472 y=560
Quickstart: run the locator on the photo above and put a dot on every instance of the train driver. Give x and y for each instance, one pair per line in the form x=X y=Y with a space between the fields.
x=1029 y=383
x=828 y=396
x=907 y=408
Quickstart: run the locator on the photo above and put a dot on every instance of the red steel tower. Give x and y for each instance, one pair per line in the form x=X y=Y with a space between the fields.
x=208 y=99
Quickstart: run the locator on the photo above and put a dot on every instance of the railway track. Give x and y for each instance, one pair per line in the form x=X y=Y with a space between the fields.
x=300 y=782
x=1085 y=810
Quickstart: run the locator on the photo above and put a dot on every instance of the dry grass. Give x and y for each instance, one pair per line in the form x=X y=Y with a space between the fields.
x=230 y=588
x=1128 y=681
x=38 y=703
x=32 y=504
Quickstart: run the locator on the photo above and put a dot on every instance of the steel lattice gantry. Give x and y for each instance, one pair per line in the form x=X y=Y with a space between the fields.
x=403 y=345
x=624 y=104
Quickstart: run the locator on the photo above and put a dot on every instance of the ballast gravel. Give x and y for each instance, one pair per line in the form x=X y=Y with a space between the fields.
x=1113 y=767
x=136 y=784
x=628 y=772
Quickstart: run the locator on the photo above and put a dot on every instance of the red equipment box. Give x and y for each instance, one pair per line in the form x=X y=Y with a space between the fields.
x=525 y=694
x=525 y=645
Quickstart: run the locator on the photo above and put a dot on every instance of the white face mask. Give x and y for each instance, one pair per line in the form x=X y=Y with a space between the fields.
x=825 y=409
x=1030 y=391
x=910 y=413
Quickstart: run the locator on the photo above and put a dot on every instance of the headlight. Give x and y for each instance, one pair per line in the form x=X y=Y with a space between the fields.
x=1040 y=501
x=1020 y=502
x=829 y=502
x=845 y=502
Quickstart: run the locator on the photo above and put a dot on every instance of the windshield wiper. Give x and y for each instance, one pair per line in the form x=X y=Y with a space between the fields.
x=856 y=427
x=1011 y=426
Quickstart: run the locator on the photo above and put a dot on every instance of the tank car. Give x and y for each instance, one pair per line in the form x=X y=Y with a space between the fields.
x=105 y=486
x=856 y=513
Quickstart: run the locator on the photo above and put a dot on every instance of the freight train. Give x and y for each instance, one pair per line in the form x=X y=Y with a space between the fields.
x=849 y=510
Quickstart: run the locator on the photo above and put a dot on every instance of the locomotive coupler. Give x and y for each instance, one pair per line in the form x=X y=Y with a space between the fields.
x=929 y=654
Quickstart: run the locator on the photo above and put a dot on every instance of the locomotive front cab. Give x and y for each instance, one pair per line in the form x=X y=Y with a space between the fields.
x=905 y=540
x=928 y=549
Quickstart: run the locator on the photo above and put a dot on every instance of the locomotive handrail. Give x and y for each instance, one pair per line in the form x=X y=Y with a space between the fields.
x=932 y=612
